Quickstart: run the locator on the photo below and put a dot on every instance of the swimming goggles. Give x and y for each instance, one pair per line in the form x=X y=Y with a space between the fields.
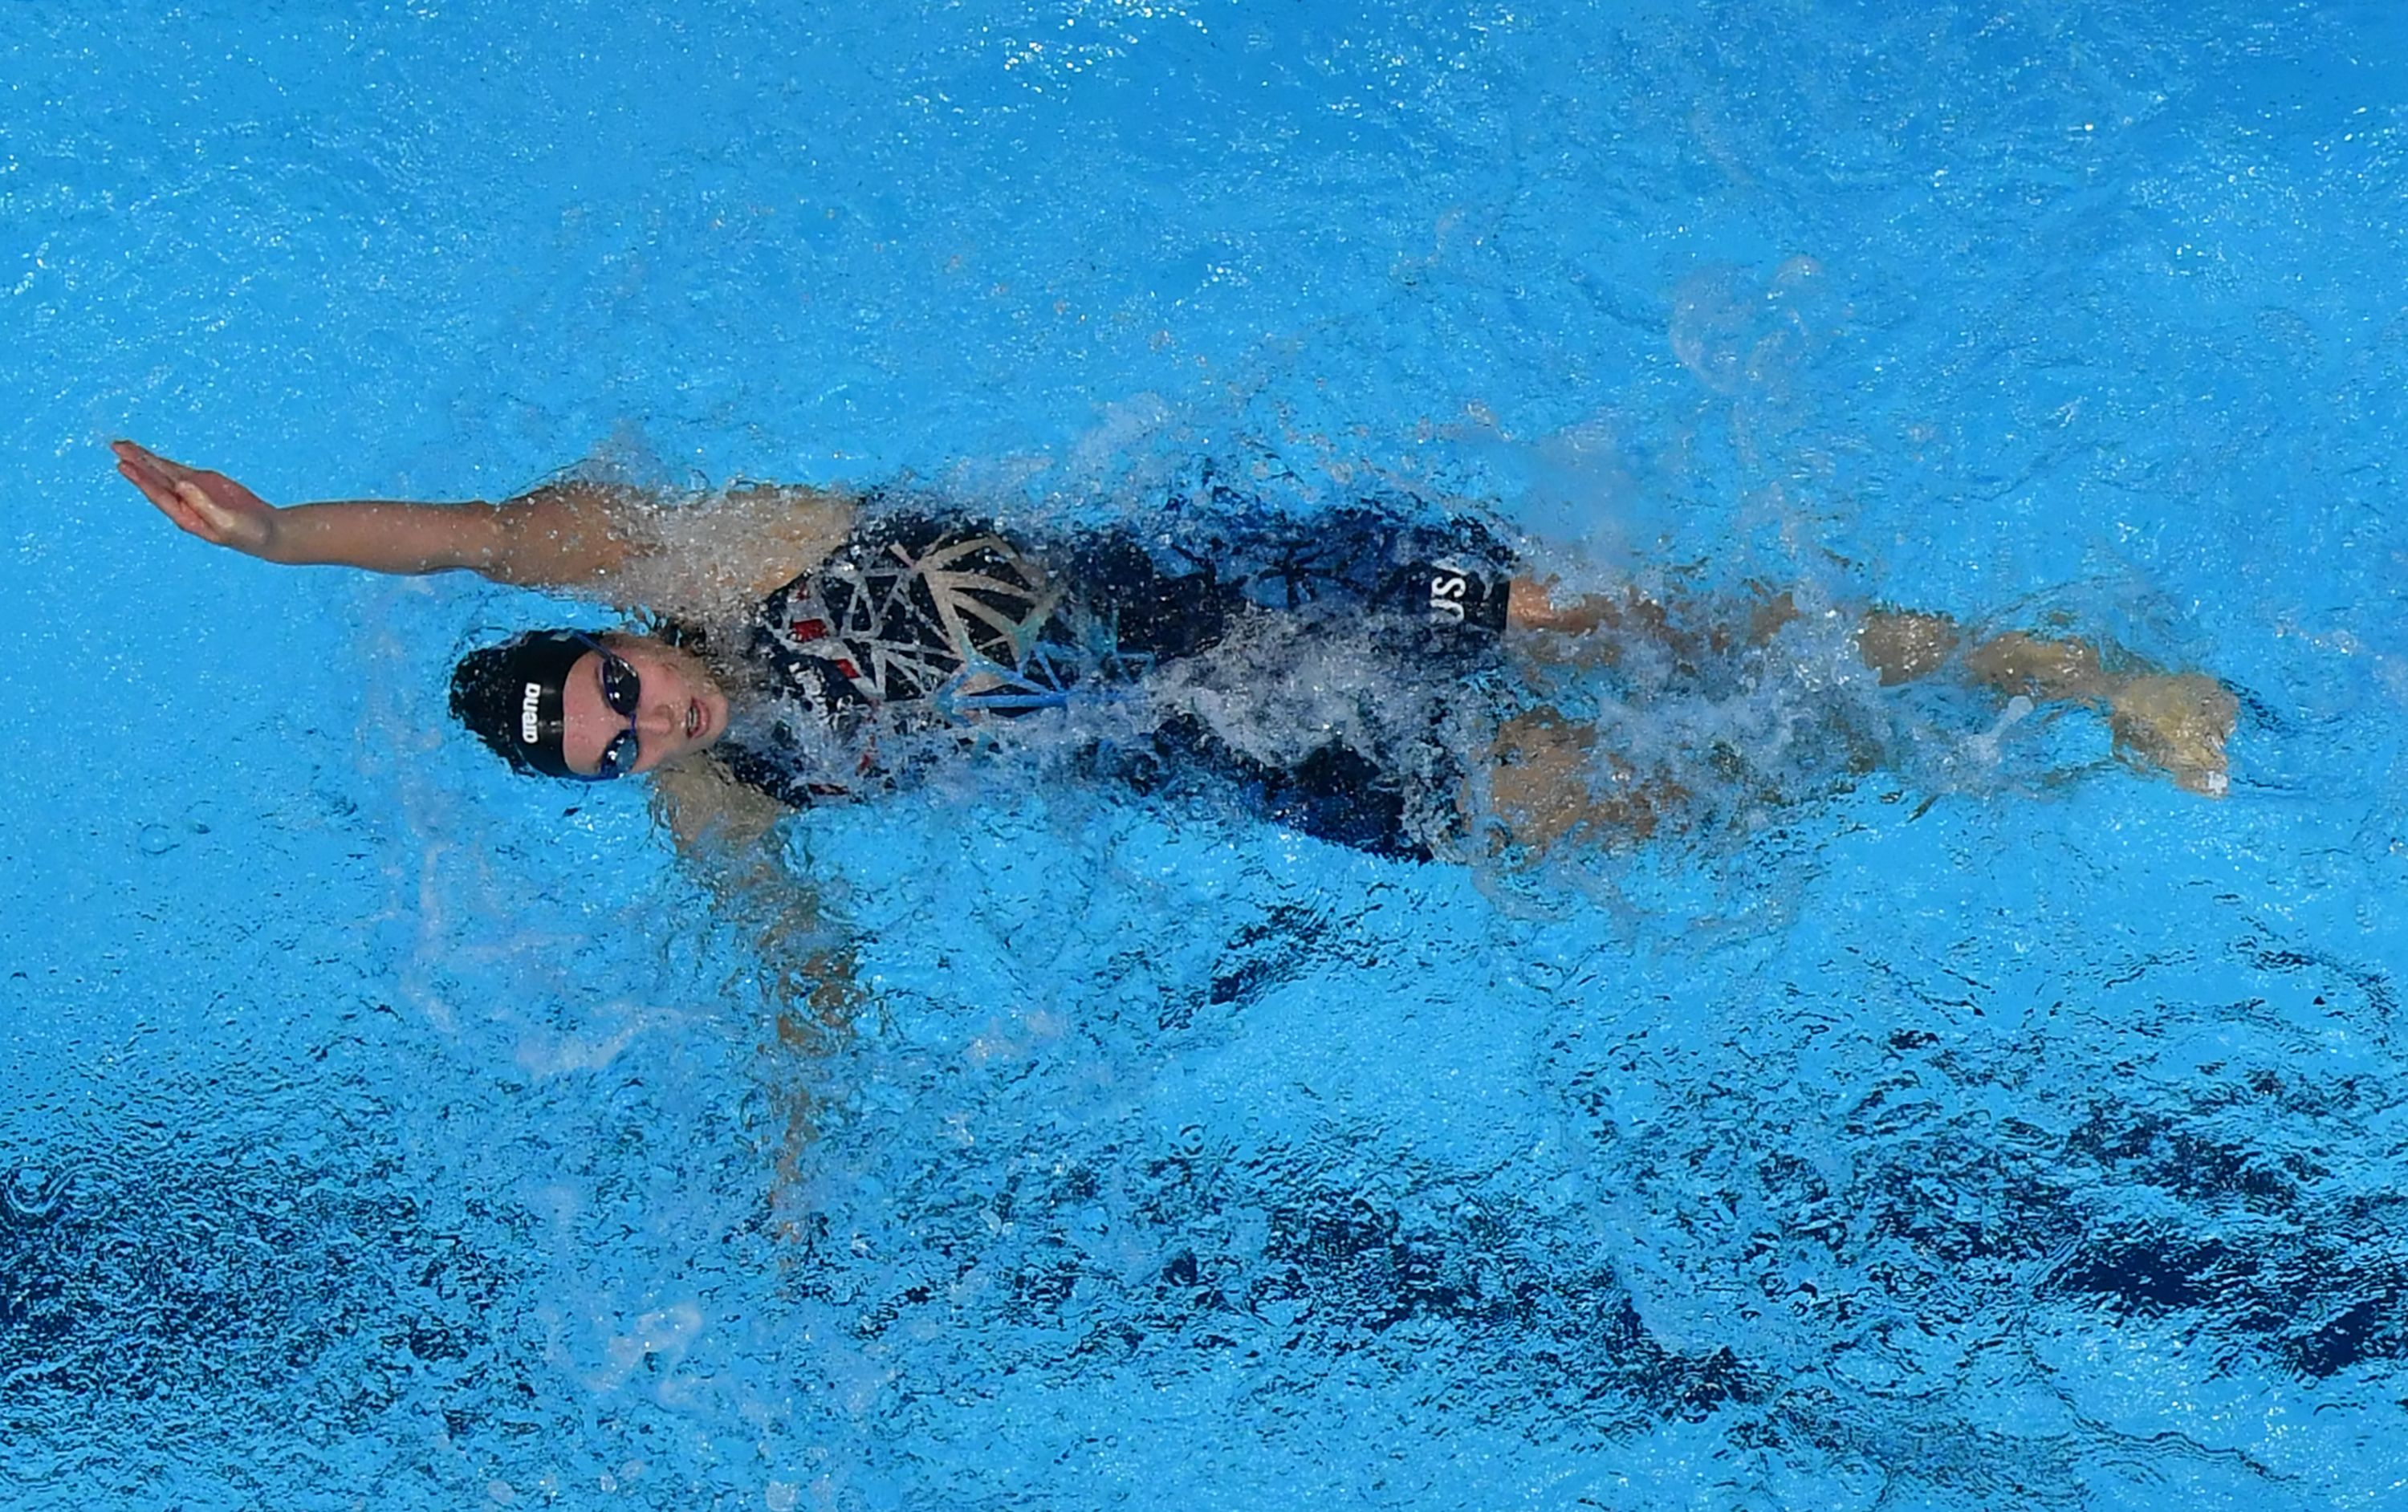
x=622 y=691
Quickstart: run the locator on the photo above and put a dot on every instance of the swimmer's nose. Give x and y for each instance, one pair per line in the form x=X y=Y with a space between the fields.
x=661 y=719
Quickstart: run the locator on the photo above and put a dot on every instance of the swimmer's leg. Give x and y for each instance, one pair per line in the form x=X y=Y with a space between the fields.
x=1528 y=605
x=2168 y=721
x=1548 y=784
x=2176 y=722
x=1901 y=647
x=1689 y=630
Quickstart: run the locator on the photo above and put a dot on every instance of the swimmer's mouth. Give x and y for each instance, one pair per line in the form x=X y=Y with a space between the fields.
x=693 y=718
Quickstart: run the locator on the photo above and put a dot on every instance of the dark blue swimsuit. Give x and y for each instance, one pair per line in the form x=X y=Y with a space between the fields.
x=921 y=633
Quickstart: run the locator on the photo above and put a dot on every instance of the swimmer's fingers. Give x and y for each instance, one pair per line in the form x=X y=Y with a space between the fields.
x=161 y=492
x=160 y=481
x=210 y=506
x=144 y=472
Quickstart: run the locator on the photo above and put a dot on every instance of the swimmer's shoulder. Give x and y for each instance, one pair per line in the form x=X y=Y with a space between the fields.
x=707 y=810
x=787 y=528
x=709 y=558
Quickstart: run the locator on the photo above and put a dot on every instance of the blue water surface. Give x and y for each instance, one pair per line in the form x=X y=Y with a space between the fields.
x=2003 y=1130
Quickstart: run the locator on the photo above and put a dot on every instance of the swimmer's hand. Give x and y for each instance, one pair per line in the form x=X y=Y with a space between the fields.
x=210 y=506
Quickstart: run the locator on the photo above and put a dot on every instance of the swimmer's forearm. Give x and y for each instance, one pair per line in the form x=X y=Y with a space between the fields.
x=385 y=536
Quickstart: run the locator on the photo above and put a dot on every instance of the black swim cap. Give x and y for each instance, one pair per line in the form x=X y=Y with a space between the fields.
x=509 y=695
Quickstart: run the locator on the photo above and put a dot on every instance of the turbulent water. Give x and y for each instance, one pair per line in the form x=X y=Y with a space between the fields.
x=1941 y=1115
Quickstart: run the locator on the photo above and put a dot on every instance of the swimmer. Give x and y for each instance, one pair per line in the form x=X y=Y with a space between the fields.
x=812 y=645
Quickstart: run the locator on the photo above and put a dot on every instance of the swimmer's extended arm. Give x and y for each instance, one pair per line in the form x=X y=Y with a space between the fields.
x=586 y=538
x=729 y=840
x=560 y=535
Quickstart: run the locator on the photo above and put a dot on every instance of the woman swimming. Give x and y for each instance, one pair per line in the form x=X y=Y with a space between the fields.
x=1352 y=675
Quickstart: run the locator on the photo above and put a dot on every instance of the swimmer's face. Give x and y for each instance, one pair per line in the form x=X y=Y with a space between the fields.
x=679 y=707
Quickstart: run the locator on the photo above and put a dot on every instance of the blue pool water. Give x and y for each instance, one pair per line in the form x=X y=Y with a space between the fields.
x=377 y=1130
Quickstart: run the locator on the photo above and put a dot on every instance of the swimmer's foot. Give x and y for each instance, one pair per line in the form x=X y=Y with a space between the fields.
x=2177 y=723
